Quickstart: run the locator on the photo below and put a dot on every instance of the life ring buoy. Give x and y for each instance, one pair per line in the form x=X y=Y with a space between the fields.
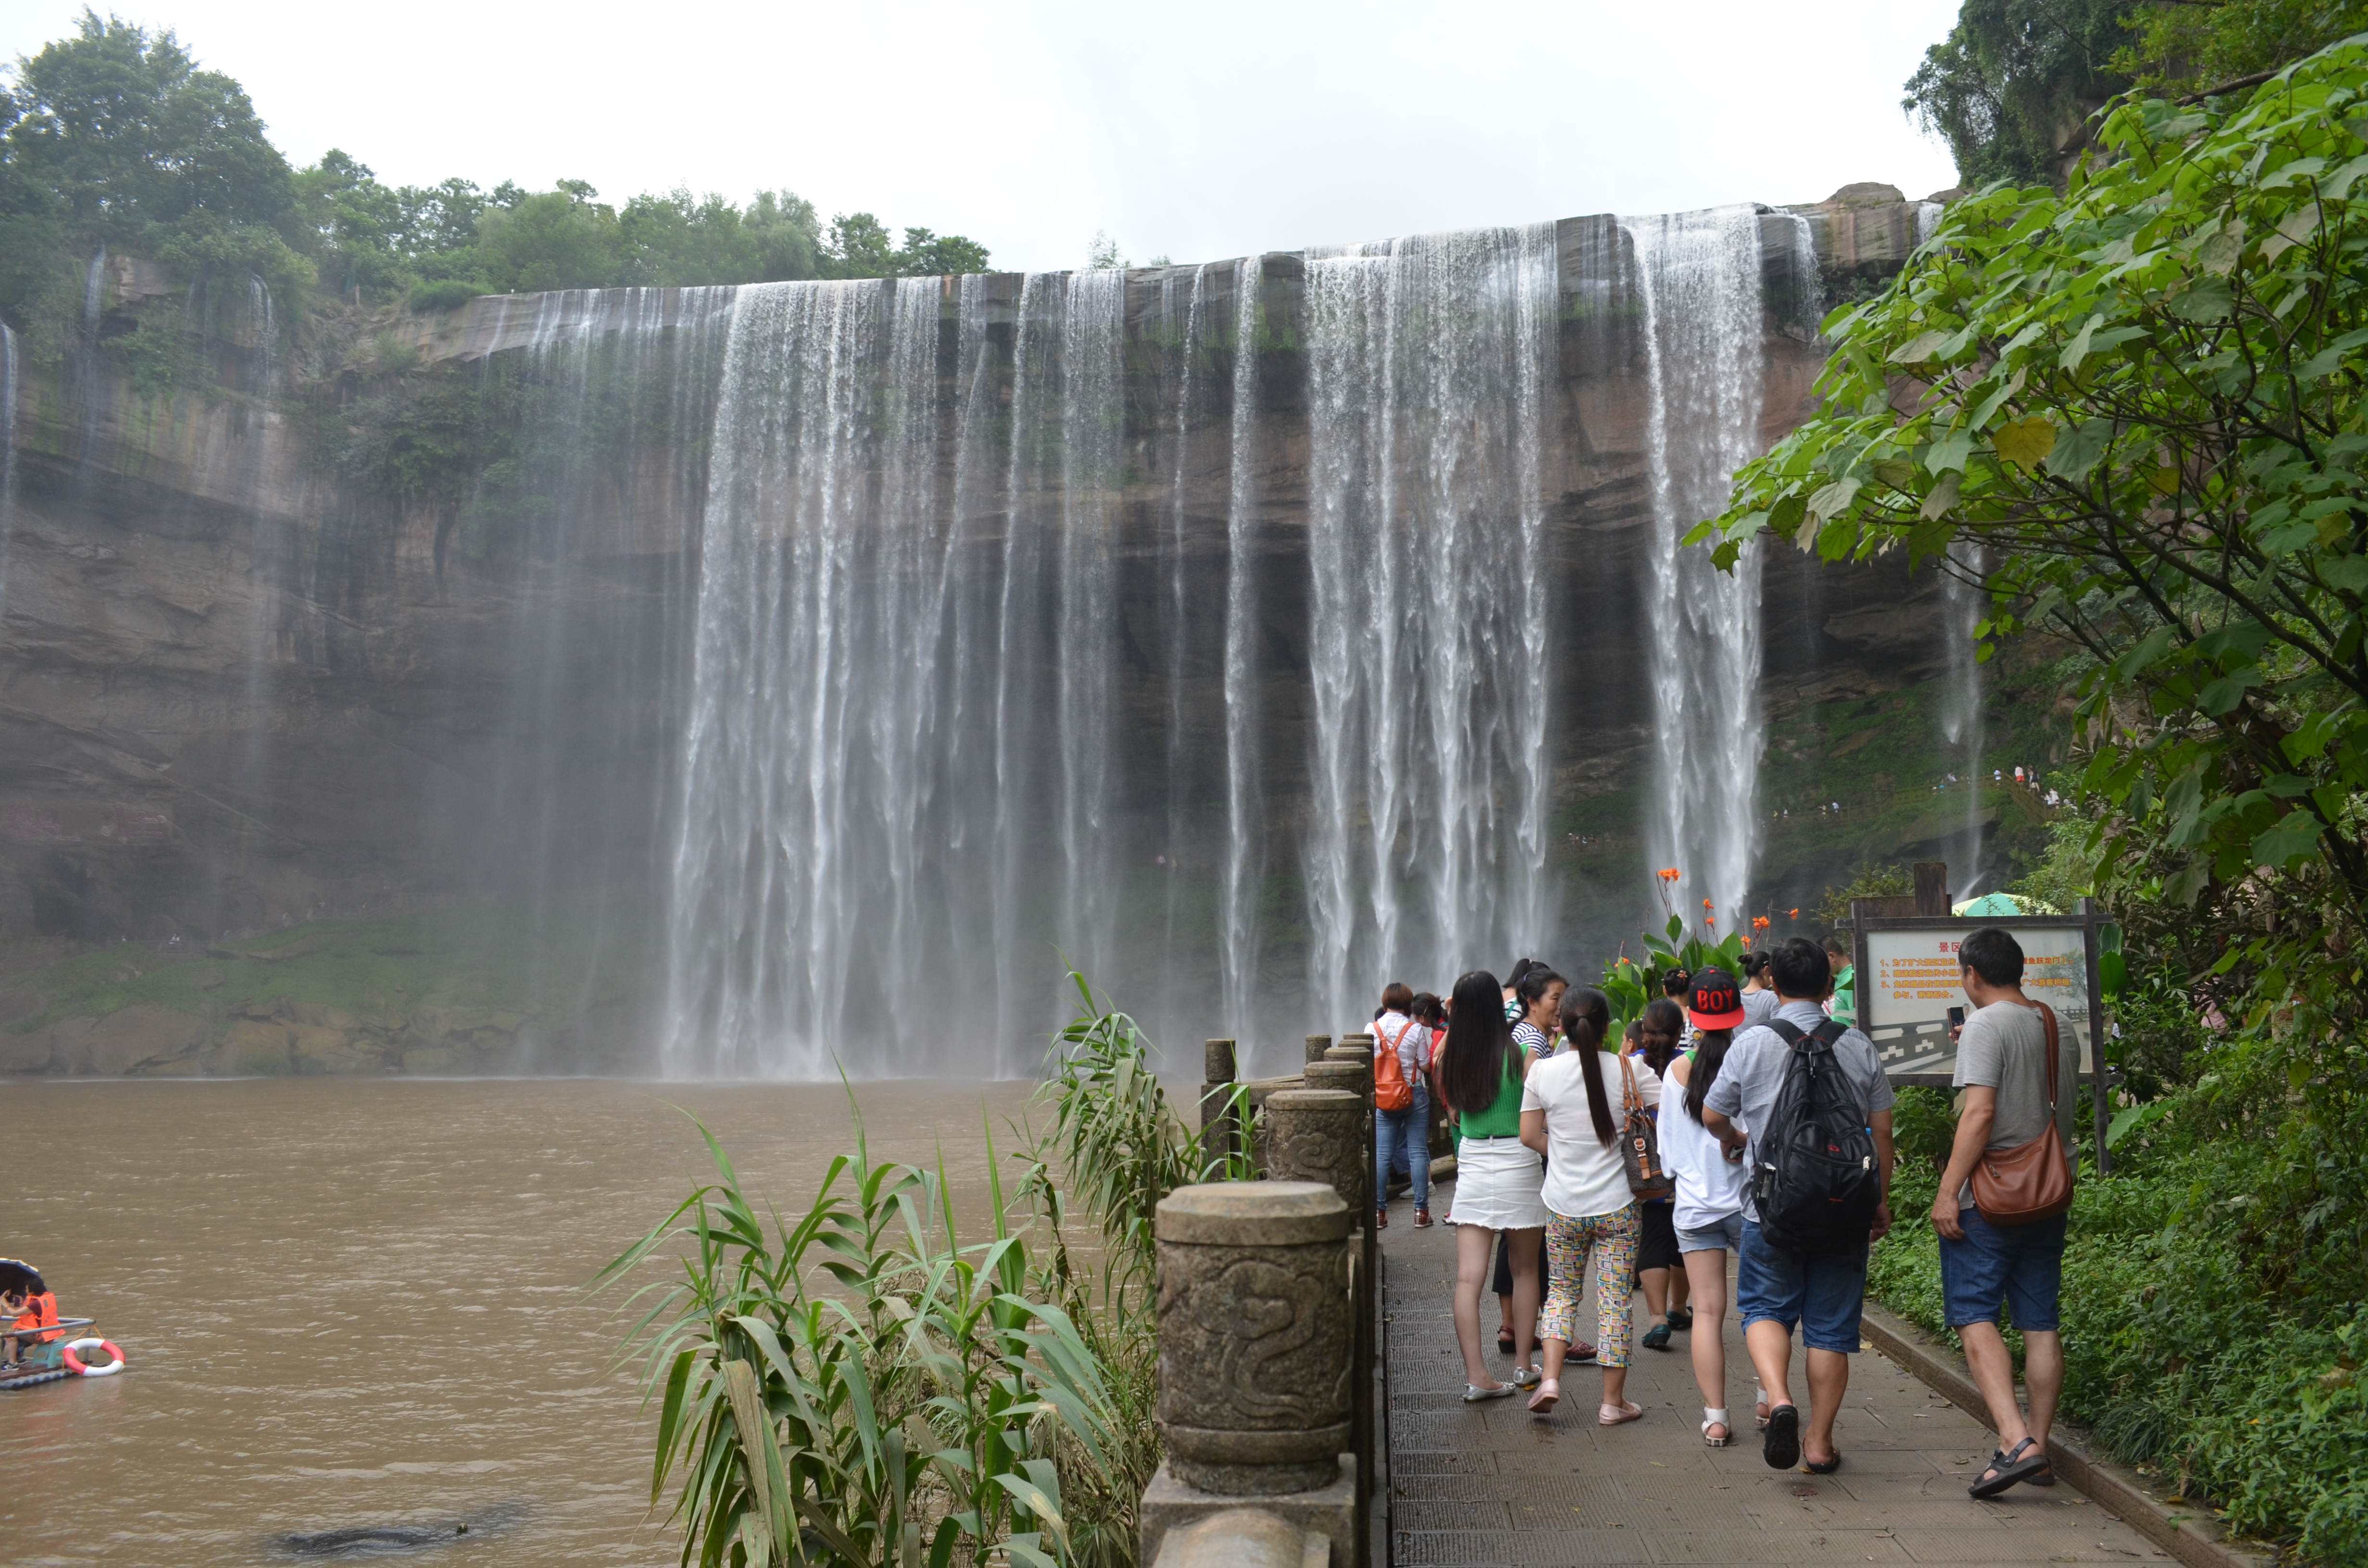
x=80 y=1367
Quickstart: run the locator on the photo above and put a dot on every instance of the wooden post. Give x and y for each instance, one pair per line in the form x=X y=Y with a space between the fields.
x=2099 y=1099
x=1932 y=889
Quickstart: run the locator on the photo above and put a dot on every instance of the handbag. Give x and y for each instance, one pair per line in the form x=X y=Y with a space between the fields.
x=2031 y=1181
x=1640 y=1142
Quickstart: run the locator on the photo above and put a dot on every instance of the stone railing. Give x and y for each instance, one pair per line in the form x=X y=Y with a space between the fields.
x=1271 y=1403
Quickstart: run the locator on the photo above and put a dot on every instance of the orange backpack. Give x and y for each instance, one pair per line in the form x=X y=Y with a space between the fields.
x=1390 y=1090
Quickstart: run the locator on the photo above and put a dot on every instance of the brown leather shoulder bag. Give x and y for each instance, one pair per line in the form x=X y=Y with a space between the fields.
x=2031 y=1181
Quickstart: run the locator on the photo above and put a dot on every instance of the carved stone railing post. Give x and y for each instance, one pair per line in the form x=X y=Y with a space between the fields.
x=1216 y=1092
x=1327 y=1135
x=1317 y=1044
x=1319 y=1135
x=1255 y=1351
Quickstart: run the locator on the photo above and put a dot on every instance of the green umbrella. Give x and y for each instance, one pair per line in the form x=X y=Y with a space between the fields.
x=1989 y=904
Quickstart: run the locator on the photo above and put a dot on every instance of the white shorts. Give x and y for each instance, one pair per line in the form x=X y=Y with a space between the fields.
x=1500 y=1185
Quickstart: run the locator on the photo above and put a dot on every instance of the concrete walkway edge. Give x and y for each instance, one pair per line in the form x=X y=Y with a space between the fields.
x=2197 y=1540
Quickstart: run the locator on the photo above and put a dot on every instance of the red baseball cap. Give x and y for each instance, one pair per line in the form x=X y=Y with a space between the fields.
x=1717 y=1001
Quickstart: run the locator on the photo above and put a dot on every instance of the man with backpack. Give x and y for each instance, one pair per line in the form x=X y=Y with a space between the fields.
x=1805 y=1097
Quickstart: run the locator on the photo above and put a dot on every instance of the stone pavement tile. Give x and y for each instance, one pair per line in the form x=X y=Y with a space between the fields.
x=1428 y=1514
x=1541 y=1486
x=2124 y=1546
x=1524 y=1548
x=1442 y=1461
x=1744 y=1546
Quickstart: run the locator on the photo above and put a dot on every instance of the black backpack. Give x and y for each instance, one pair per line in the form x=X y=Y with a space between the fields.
x=1815 y=1184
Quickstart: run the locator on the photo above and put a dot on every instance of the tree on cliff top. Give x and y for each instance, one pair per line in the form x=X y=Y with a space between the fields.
x=2013 y=86
x=127 y=133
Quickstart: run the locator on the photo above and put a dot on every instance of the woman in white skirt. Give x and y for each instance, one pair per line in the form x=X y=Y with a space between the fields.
x=1498 y=1179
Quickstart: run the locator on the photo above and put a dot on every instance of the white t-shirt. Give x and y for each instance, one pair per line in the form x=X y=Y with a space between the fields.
x=1710 y=1185
x=1759 y=1006
x=1584 y=1177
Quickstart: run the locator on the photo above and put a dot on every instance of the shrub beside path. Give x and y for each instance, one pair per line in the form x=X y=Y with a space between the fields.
x=1492 y=1484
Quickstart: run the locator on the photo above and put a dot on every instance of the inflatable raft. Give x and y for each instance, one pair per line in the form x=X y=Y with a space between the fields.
x=75 y=1353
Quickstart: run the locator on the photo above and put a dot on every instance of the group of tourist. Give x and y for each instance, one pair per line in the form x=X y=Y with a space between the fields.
x=1713 y=1130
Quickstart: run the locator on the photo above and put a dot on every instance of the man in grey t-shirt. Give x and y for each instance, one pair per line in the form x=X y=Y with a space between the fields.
x=1775 y=1288
x=2002 y=1068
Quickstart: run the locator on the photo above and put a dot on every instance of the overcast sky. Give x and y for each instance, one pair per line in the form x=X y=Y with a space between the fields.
x=1197 y=131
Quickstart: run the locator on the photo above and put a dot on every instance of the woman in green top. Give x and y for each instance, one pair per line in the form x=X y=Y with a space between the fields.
x=1497 y=1178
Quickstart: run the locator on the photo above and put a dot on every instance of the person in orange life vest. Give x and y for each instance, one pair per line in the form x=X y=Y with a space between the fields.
x=26 y=1304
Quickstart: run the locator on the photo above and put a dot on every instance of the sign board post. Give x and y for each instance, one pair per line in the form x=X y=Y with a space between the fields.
x=1908 y=978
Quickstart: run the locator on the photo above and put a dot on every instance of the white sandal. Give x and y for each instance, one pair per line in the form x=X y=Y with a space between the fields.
x=1548 y=1395
x=1715 y=1418
x=1474 y=1394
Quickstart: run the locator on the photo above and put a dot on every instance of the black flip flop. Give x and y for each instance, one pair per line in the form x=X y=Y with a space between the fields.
x=1504 y=1343
x=2006 y=1469
x=1824 y=1468
x=1780 y=1445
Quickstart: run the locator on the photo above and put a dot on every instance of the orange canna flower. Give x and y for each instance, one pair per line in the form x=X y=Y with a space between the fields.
x=1795 y=914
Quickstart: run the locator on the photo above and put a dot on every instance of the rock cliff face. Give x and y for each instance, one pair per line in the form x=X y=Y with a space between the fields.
x=315 y=644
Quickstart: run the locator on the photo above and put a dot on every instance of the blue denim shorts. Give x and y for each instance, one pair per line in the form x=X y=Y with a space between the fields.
x=1824 y=1296
x=2022 y=1266
x=1724 y=1235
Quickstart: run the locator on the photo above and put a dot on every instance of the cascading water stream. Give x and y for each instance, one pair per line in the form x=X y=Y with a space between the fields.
x=1427 y=358
x=1238 y=954
x=8 y=456
x=1699 y=276
x=1961 y=714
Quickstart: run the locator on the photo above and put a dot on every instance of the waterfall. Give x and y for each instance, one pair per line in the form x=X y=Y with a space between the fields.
x=8 y=456
x=1928 y=220
x=1961 y=712
x=1245 y=867
x=1698 y=274
x=1424 y=853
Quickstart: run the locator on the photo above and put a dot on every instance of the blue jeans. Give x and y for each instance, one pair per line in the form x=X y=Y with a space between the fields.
x=1403 y=1137
x=1826 y=1296
x=2020 y=1265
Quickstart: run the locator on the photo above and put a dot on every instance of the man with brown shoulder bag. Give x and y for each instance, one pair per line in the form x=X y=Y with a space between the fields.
x=2000 y=1210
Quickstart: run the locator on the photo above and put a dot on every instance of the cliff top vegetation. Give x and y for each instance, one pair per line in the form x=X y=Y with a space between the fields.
x=2015 y=86
x=116 y=136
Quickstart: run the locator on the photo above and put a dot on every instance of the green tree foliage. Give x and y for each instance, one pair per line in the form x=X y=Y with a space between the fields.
x=2182 y=49
x=2133 y=414
x=2142 y=400
x=2012 y=89
x=2015 y=80
x=115 y=137
x=860 y=246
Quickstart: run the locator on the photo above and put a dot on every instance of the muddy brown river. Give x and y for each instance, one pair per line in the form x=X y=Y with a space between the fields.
x=359 y=1306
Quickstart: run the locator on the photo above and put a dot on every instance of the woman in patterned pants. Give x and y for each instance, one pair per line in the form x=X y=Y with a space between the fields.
x=1567 y=1115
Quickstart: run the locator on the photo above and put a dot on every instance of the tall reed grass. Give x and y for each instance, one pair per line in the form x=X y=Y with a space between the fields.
x=860 y=1385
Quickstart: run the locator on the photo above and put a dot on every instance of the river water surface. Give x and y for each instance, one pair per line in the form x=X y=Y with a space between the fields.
x=360 y=1304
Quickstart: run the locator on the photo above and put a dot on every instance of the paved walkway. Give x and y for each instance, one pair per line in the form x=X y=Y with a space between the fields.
x=1492 y=1484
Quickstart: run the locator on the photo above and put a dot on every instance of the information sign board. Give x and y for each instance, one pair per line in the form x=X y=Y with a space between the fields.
x=1913 y=977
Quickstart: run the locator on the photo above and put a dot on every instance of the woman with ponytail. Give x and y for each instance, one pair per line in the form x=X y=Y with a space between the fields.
x=1708 y=1215
x=1496 y=1176
x=1566 y=1114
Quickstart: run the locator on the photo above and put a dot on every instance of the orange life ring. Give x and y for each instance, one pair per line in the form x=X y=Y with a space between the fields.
x=77 y=1365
